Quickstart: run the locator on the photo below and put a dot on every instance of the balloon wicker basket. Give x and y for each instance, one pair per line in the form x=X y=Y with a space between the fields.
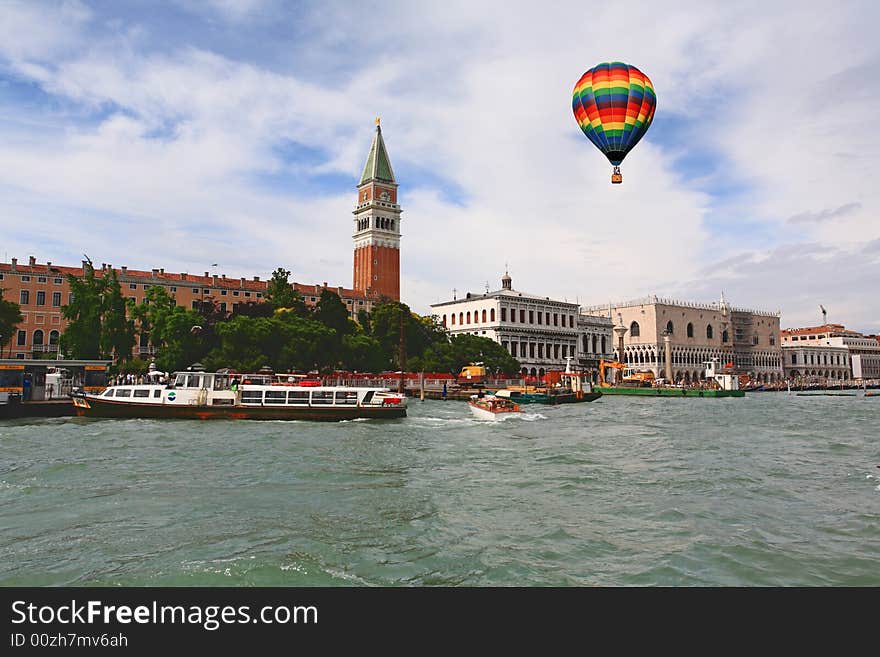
x=616 y=178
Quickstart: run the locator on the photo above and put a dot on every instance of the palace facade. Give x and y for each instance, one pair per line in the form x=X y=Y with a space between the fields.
x=697 y=332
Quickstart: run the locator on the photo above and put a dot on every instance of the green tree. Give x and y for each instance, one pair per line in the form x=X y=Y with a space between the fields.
x=364 y=321
x=10 y=317
x=284 y=342
x=82 y=337
x=117 y=329
x=466 y=349
x=176 y=332
x=281 y=294
x=362 y=353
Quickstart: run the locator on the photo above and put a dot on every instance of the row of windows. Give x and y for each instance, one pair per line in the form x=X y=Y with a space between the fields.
x=300 y=397
x=635 y=331
x=542 y=317
x=39 y=337
x=381 y=222
x=465 y=318
x=24 y=298
x=40 y=279
x=173 y=289
x=836 y=359
x=530 y=349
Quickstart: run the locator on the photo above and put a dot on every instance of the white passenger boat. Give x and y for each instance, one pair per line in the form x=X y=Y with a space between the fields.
x=232 y=396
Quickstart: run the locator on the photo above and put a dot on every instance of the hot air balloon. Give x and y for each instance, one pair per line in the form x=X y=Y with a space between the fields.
x=614 y=104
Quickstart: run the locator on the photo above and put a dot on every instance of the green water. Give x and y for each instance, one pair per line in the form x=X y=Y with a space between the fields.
x=772 y=489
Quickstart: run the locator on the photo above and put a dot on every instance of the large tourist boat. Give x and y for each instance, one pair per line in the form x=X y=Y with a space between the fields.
x=233 y=396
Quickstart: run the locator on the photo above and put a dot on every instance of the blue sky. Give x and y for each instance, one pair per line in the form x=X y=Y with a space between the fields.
x=179 y=134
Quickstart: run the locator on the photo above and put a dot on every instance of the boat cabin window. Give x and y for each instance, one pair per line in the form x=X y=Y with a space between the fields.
x=276 y=396
x=300 y=397
x=251 y=396
x=322 y=397
x=123 y=392
x=108 y=392
x=346 y=397
x=157 y=393
x=180 y=380
x=193 y=381
x=141 y=392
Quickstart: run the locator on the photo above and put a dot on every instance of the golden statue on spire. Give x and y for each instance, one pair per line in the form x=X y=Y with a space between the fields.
x=377 y=120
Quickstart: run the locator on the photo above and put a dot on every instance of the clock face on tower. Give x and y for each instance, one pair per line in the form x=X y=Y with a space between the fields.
x=384 y=195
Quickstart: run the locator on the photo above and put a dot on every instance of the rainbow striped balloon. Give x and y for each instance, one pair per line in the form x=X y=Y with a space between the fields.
x=614 y=105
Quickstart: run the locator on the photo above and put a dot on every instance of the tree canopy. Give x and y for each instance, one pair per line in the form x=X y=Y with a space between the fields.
x=10 y=316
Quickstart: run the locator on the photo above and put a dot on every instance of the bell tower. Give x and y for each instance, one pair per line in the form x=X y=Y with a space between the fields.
x=377 y=226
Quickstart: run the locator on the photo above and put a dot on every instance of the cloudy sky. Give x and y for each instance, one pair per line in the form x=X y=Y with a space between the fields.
x=179 y=134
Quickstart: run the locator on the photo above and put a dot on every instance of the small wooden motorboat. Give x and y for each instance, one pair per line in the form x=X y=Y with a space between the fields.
x=491 y=407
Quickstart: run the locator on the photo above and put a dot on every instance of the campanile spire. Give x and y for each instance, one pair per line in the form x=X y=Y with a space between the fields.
x=377 y=225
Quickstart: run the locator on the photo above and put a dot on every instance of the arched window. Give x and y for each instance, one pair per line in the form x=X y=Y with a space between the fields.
x=38 y=337
x=484 y=315
x=669 y=327
x=596 y=344
x=461 y=318
x=709 y=331
x=603 y=344
x=633 y=331
x=491 y=314
x=690 y=330
x=724 y=336
x=444 y=320
x=53 y=337
x=469 y=317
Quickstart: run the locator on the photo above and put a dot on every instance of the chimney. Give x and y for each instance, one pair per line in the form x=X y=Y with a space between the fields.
x=215 y=279
x=84 y=264
x=242 y=282
x=155 y=272
x=183 y=275
x=256 y=278
x=325 y=285
x=32 y=261
x=14 y=267
x=224 y=277
x=103 y=266
x=48 y=265
x=162 y=270
x=207 y=274
x=124 y=269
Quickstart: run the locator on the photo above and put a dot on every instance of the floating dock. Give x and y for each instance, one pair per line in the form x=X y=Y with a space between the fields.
x=671 y=392
x=48 y=408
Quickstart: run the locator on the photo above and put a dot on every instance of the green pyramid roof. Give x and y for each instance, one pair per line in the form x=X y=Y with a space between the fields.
x=378 y=165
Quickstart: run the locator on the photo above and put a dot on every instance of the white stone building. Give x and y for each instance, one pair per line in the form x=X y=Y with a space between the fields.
x=824 y=353
x=540 y=332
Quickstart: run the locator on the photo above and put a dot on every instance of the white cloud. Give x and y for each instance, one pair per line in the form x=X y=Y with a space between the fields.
x=479 y=97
